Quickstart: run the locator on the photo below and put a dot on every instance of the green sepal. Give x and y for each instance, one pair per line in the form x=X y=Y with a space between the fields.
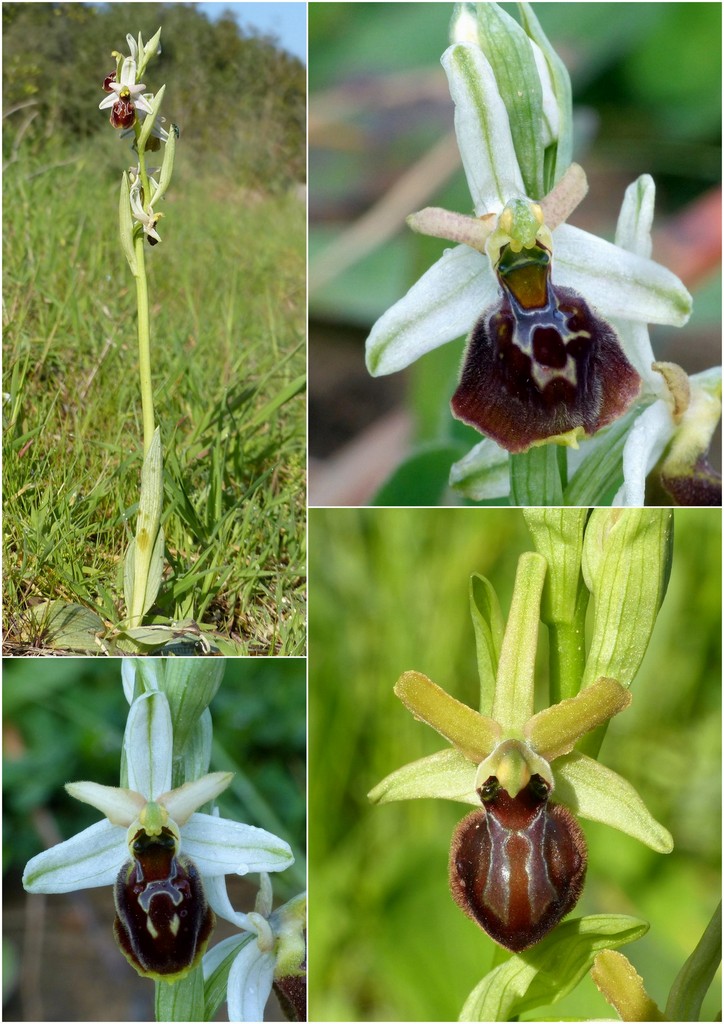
x=543 y=975
x=595 y=792
x=446 y=775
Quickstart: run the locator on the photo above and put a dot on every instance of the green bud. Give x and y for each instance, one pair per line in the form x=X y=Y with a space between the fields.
x=558 y=536
x=626 y=565
x=190 y=685
x=510 y=55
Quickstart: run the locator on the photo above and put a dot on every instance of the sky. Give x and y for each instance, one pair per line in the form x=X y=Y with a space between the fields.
x=286 y=21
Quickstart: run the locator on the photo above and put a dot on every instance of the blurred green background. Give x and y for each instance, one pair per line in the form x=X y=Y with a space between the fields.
x=647 y=99
x=63 y=721
x=390 y=593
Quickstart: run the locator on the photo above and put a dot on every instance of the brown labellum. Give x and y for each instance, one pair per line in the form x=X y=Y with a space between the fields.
x=163 y=921
x=540 y=363
x=518 y=865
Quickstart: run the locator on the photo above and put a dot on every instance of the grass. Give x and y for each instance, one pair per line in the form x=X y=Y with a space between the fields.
x=227 y=290
x=390 y=593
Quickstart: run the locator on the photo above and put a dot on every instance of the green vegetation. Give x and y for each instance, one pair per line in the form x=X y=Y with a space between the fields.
x=391 y=594
x=227 y=325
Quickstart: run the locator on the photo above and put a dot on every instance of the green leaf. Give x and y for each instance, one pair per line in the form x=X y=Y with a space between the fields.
x=150 y=120
x=69 y=626
x=446 y=775
x=510 y=54
x=693 y=980
x=489 y=627
x=535 y=478
x=543 y=975
x=215 y=985
x=166 y=169
x=600 y=473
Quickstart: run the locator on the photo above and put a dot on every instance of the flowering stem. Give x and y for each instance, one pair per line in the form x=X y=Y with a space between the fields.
x=567 y=658
x=535 y=477
x=144 y=345
x=184 y=1000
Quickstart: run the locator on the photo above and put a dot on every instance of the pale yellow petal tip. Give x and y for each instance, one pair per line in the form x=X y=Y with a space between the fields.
x=182 y=802
x=120 y=806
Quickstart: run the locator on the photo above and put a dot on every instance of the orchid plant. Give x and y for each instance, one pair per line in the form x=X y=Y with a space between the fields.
x=518 y=862
x=136 y=113
x=559 y=373
x=165 y=849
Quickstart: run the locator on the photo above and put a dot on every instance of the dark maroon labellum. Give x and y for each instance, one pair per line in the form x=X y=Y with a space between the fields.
x=163 y=922
x=107 y=81
x=518 y=865
x=123 y=114
x=540 y=362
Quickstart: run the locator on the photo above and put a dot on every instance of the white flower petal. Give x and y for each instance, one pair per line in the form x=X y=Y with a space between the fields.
x=215 y=956
x=482 y=128
x=219 y=846
x=87 y=860
x=218 y=897
x=250 y=983
x=636 y=343
x=108 y=101
x=616 y=282
x=148 y=744
x=644 y=446
x=120 y=806
x=633 y=231
x=483 y=472
x=442 y=305
x=182 y=802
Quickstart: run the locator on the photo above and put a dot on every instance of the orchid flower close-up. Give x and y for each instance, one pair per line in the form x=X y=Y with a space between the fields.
x=558 y=367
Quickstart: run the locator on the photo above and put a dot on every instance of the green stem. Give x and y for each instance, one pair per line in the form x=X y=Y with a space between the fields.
x=535 y=477
x=567 y=652
x=144 y=345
